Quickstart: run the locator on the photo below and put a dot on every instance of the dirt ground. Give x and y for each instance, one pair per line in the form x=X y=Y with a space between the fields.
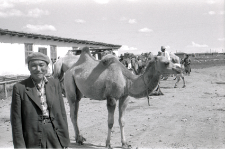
x=191 y=117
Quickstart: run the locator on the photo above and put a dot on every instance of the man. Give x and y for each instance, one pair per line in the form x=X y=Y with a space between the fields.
x=187 y=64
x=167 y=55
x=38 y=115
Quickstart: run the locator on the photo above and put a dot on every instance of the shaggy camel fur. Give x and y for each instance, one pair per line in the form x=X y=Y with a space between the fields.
x=62 y=65
x=110 y=80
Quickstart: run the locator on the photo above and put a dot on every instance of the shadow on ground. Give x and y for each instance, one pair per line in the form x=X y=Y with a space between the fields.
x=85 y=145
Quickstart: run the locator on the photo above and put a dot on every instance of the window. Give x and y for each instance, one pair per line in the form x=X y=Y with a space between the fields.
x=28 y=50
x=42 y=50
x=53 y=53
x=75 y=52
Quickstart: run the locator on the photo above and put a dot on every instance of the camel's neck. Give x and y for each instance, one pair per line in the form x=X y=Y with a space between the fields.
x=145 y=83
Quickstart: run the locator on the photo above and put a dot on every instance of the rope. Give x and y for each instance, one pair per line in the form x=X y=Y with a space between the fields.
x=146 y=90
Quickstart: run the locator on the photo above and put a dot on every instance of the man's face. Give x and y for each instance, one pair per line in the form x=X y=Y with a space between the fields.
x=38 y=69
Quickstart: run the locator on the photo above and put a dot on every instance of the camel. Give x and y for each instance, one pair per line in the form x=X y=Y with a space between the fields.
x=127 y=63
x=174 y=58
x=62 y=65
x=178 y=63
x=135 y=66
x=181 y=68
x=107 y=52
x=139 y=66
x=110 y=80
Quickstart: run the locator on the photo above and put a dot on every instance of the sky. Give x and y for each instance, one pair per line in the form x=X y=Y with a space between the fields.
x=139 y=26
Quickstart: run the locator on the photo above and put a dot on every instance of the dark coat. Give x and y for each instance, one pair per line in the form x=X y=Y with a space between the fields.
x=26 y=114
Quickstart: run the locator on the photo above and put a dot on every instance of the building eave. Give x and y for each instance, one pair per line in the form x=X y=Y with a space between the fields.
x=55 y=38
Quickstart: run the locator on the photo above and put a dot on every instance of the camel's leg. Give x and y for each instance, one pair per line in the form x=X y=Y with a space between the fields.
x=165 y=76
x=158 y=90
x=73 y=96
x=74 y=107
x=178 y=79
x=182 y=76
x=123 y=103
x=175 y=78
x=111 y=105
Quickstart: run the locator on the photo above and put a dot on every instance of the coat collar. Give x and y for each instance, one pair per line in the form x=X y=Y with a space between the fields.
x=31 y=91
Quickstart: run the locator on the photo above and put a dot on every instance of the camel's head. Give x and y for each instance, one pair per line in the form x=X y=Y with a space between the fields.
x=164 y=66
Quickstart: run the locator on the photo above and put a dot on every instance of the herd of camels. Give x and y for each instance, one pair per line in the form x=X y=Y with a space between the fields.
x=107 y=79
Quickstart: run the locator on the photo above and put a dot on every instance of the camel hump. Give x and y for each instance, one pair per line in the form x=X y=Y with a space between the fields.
x=109 y=59
x=85 y=50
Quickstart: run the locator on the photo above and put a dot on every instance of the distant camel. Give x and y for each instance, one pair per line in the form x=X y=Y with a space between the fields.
x=110 y=80
x=174 y=58
x=177 y=62
x=139 y=65
x=181 y=68
x=127 y=63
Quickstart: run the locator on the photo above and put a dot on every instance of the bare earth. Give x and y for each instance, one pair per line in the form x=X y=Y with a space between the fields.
x=191 y=117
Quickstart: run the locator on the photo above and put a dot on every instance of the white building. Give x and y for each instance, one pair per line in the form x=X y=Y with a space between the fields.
x=16 y=46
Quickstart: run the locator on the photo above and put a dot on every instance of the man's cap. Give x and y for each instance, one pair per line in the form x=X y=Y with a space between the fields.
x=38 y=56
x=163 y=47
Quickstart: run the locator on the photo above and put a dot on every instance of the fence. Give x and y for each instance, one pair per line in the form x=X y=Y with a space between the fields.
x=4 y=80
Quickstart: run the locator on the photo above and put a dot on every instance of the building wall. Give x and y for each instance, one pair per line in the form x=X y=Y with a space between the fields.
x=12 y=52
x=62 y=51
x=12 y=59
x=116 y=52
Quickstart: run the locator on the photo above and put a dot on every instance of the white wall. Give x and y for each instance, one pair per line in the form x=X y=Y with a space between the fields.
x=116 y=52
x=62 y=51
x=12 y=59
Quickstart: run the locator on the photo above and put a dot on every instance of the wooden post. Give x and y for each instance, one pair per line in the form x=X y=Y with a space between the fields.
x=5 y=88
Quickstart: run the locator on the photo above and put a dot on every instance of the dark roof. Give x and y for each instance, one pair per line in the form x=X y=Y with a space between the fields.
x=55 y=38
x=178 y=53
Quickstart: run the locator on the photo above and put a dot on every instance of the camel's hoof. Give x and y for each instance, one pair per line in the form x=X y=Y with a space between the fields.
x=160 y=93
x=126 y=146
x=80 y=140
x=184 y=86
x=175 y=86
x=108 y=145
